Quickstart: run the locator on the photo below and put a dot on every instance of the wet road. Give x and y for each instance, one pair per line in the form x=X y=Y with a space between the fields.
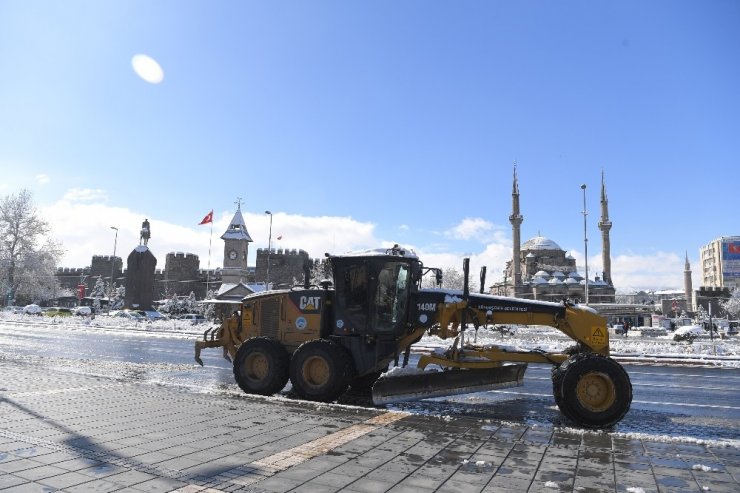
x=685 y=403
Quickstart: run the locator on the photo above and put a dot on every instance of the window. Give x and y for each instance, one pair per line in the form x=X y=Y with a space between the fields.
x=391 y=297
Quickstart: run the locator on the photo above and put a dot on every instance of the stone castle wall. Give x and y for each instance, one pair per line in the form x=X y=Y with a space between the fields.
x=286 y=266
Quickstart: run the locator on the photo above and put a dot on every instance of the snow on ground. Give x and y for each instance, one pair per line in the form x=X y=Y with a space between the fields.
x=634 y=348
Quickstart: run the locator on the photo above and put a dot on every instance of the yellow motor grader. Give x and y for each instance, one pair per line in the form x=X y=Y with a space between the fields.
x=347 y=332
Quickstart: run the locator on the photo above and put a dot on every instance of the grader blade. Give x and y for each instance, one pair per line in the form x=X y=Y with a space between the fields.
x=388 y=390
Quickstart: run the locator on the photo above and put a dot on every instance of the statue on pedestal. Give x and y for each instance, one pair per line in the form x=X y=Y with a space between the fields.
x=145 y=233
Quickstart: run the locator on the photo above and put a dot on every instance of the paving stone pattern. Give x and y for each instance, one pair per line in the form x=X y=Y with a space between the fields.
x=67 y=432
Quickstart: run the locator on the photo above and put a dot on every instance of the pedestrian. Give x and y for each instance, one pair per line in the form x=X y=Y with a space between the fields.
x=626 y=327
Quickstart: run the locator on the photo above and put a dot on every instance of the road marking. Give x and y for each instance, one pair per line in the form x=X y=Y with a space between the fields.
x=291 y=457
x=61 y=391
x=686 y=404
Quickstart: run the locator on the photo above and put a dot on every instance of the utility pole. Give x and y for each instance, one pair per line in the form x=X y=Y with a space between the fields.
x=112 y=267
x=585 y=240
x=269 y=250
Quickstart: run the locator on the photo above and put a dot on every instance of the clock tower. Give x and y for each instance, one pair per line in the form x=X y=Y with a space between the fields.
x=236 y=246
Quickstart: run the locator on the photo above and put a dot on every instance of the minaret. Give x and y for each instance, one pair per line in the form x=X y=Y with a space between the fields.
x=605 y=225
x=516 y=220
x=236 y=248
x=688 y=291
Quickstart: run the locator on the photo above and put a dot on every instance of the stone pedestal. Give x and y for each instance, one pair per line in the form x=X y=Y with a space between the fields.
x=140 y=268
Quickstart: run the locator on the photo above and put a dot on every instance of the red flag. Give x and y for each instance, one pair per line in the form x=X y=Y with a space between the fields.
x=207 y=219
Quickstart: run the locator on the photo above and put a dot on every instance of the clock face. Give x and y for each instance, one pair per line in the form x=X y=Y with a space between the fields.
x=232 y=254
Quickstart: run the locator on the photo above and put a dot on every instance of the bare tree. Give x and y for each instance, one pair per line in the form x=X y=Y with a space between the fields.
x=28 y=258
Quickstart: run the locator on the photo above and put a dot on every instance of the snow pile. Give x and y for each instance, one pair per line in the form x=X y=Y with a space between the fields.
x=701 y=467
x=398 y=371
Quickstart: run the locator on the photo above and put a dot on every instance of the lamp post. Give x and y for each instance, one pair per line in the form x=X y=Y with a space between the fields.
x=112 y=266
x=269 y=250
x=585 y=241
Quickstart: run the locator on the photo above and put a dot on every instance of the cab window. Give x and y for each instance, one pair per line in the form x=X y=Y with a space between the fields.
x=391 y=296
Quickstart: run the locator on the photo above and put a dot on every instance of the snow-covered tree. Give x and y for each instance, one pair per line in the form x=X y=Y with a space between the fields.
x=209 y=309
x=119 y=297
x=98 y=290
x=320 y=270
x=191 y=304
x=732 y=305
x=28 y=257
x=451 y=279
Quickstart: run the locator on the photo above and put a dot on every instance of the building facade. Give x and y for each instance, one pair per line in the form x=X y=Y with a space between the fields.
x=720 y=263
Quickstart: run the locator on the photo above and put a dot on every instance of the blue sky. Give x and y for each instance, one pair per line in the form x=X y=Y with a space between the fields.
x=360 y=124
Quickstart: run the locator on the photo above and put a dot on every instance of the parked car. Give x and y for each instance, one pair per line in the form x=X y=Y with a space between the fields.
x=57 y=312
x=32 y=309
x=83 y=311
x=152 y=315
x=129 y=314
x=688 y=333
x=194 y=318
x=13 y=309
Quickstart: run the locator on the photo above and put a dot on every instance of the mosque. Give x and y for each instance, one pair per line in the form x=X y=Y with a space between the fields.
x=541 y=270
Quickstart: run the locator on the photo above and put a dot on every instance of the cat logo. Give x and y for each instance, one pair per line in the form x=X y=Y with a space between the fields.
x=309 y=303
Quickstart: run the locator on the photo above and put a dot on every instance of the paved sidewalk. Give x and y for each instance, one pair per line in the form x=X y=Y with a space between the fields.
x=61 y=431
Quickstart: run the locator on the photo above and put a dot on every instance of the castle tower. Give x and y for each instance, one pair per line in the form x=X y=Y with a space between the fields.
x=236 y=247
x=605 y=225
x=516 y=220
x=687 y=288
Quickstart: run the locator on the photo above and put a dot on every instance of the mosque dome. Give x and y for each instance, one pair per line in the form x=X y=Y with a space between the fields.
x=543 y=274
x=538 y=280
x=555 y=280
x=570 y=281
x=558 y=274
x=540 y=243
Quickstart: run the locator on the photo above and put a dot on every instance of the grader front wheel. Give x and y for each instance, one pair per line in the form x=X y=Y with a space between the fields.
x=592 y=390
x=261 y=366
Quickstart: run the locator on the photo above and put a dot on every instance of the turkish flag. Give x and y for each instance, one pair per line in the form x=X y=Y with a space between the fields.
x=207 y=219
x=733 y=248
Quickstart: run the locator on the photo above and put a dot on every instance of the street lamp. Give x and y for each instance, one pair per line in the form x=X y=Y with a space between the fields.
x=585 y=240
x=112 y=266
x=269 y=249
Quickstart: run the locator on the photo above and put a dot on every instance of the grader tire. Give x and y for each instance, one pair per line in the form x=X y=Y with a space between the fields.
x=320 y=370
x=261 y=366
x=557 y=384
x=592 y=390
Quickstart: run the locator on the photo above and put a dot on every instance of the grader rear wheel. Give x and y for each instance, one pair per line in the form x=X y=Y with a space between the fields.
x=261 y=366
x=320 y=370
x=592 y=390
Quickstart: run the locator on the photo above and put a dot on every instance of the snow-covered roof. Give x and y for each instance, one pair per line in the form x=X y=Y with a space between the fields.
x=538 y=280
x=237 y=229
x=575 y=275
x=540 y=243
x=555 y=280
x=570 y=280
x=379 y=251
x=542 y=273
x=558 y=274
